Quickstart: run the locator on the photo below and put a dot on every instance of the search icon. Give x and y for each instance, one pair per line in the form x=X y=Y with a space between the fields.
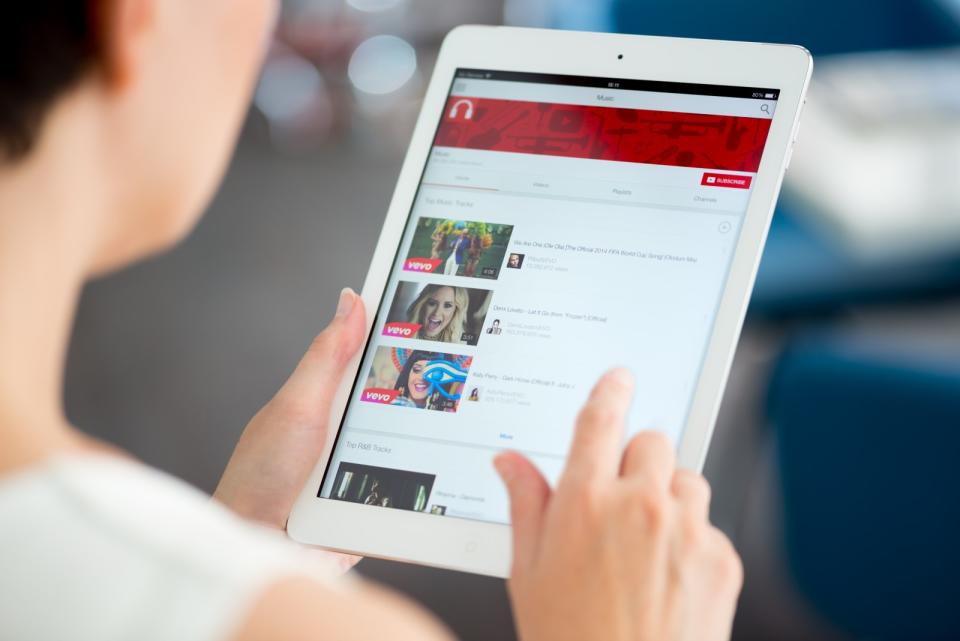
x=765 y=108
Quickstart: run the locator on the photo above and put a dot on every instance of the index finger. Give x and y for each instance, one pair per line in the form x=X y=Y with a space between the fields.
x=598 y=438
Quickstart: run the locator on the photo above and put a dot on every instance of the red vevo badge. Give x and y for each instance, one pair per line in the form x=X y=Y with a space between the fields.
x=401 y=330
x=726 y=180
x=379 y=395
x=425 y=265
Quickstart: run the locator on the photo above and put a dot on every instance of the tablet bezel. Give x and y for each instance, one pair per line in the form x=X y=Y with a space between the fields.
x=482 y=547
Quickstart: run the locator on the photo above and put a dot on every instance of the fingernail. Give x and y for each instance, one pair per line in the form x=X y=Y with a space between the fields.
x=621 y=375
x=347 y=300
x=504 y=467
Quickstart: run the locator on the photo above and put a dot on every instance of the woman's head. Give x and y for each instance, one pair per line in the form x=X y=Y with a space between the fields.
x=441 y=311
x=150 y=93
x=411 y=382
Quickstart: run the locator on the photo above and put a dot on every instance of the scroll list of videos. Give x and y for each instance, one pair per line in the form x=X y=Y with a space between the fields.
x=440 y=312
x=480 y=326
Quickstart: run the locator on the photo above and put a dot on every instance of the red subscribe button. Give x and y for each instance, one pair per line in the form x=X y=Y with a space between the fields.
x=726 y=180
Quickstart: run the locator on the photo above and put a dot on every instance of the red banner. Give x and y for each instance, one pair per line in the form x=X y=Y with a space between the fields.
x=606 y=133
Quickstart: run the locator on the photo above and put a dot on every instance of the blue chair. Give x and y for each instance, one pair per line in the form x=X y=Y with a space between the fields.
x=868 y=446
x=837 y=26
x=804 y=274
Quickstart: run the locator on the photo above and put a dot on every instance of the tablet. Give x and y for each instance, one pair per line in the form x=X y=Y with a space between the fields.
x=570 y=202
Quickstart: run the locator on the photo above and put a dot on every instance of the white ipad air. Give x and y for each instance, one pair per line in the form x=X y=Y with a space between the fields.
x=570 y=202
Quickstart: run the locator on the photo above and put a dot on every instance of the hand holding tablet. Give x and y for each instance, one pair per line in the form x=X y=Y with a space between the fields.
x=570 y=202
x=623 y=546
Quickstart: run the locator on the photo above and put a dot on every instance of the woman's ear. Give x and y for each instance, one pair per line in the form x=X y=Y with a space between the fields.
x=125 y=27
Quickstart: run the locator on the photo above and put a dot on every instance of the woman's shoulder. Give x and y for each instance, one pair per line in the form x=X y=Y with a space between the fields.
x=111 y=545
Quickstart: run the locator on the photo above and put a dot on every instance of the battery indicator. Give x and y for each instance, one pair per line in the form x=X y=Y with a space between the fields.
x=769 y=95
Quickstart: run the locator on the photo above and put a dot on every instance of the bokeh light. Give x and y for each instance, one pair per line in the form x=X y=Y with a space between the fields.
x=382 y=64
x=374 y=6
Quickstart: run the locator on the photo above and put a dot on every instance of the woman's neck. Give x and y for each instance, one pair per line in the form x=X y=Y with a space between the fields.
x=48 y=226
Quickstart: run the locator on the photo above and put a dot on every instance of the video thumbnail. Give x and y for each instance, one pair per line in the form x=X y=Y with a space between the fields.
x=436 y=312
x=416 y=378
x=458 y=248
x=371 y=485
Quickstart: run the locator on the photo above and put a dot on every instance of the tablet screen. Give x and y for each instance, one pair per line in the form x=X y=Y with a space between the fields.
x=563 y=225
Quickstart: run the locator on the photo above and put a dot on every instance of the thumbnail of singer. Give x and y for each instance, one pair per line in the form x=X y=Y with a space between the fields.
x=416 y=378
x=437 y=312
x=382 y=486
x=458 y=248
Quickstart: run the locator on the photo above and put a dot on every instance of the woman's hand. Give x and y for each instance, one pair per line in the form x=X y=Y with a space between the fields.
x=280 y=446
x=623 y=548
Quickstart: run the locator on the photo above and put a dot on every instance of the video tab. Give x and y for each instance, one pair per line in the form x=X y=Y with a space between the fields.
x=416 y=378
x=458 y=248
x=437 y=312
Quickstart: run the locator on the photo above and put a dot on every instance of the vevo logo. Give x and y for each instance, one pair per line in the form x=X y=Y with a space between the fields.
x=401 y=330
x=734 y=181
x=417 y=266
x=379 y=395
x=428 y=265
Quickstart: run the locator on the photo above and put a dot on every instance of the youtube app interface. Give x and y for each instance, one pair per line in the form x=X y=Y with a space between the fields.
x=564 y=225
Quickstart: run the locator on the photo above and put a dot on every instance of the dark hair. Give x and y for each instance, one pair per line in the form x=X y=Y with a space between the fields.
x=403 y=381
x=45 y=47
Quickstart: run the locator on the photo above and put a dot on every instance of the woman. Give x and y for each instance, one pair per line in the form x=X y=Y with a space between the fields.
x=439 y=237
x=414 y=389
x=417 y=388
x=441 y=312
x=373 y=497
x=473 y=255
x=117 y=118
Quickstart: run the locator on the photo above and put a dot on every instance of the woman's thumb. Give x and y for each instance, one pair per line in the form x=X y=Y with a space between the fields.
x=319 y=372
x=529 y=495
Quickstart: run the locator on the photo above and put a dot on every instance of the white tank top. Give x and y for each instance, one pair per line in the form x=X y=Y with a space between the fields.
x=97 y=548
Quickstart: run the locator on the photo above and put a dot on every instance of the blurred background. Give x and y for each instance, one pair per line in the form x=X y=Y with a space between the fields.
x=835 y=459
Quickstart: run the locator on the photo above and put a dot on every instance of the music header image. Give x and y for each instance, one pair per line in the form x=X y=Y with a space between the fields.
x=416 y=378
x=648 y=136
x=382 y=486
x=437 y=312
x=458 y=248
